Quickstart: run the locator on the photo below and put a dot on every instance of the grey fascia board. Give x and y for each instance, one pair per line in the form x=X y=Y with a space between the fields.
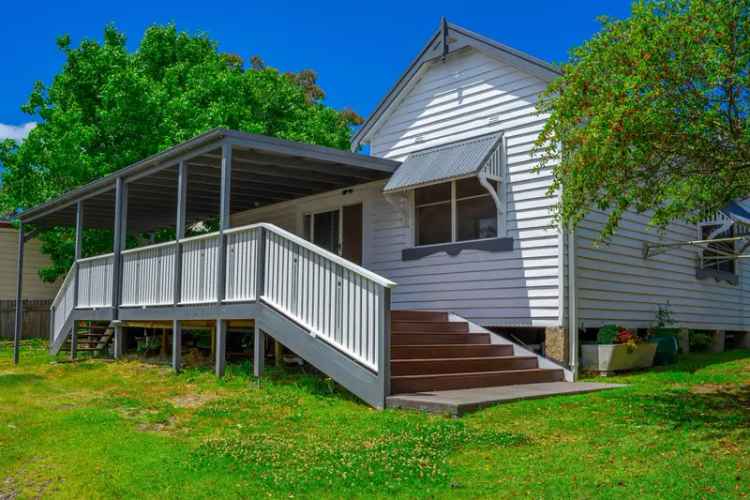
x=537 y=67
x=311 y=151
x=107 y=182
x=549 y=70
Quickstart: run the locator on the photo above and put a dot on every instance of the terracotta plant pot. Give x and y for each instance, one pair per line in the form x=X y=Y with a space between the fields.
x=609 y=358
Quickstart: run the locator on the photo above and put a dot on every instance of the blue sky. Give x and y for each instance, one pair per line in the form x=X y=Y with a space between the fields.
x=358 y=48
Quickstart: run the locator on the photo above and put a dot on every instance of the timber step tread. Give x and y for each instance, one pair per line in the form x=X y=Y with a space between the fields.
x=440 y=338
x=424 y=351
x=461 y=365
x=454 y=381
x=429 y=326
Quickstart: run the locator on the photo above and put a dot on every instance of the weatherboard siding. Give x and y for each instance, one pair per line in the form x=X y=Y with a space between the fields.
x=33 y=287
x=469 y=95
x=616 y=285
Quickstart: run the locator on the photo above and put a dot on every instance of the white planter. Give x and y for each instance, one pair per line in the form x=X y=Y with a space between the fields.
x=608 y=358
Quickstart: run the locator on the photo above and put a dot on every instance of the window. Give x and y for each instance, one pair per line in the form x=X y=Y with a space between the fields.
x=460 y=210
x=714 y=253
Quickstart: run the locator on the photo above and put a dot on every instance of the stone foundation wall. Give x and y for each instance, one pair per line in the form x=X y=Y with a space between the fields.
x=557 y=344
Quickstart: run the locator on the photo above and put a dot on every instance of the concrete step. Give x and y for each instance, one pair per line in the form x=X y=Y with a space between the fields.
x=423 y=338
x=434 y=351
x=450 y=381
x=461 y=365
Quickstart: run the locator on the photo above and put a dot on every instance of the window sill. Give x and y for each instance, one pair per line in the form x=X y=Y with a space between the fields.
x=453 y=249
x=730 y=278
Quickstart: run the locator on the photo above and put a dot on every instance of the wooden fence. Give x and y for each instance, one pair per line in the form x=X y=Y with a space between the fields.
x=35 y=318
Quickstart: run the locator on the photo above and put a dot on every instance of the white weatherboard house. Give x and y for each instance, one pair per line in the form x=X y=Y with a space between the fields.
x=387 y=271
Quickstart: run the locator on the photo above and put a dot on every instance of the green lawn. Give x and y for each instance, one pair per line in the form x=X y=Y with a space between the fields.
x=128 y=429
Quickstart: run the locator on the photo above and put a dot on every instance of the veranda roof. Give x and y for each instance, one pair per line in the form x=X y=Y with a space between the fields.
x=264 y=170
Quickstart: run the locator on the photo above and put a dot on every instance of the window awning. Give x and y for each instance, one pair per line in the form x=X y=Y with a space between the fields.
x=449 y=161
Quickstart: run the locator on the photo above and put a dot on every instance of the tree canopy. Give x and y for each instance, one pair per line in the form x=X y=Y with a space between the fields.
x=651 y=114
x=109 y=107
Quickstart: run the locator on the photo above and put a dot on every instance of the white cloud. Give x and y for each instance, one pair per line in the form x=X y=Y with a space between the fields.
x=16 y=132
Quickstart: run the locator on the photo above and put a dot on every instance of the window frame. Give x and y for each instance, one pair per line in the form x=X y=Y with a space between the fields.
x=454 y=210
x=715 y=266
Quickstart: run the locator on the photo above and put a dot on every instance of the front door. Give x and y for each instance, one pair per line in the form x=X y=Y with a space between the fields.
x=338 y=231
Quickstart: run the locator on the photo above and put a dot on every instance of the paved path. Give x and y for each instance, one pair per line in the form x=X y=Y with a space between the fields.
x=459 y=402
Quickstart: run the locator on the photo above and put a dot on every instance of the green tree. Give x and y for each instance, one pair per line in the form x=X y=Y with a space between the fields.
x=108 y=108
x=651 y=114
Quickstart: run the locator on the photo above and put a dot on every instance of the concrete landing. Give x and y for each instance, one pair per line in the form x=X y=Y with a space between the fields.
x=459 y=402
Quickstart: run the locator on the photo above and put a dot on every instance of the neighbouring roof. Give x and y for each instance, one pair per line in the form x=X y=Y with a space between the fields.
x=450 y=38
x=738 y=211
x=444 y=162
x=265 y=170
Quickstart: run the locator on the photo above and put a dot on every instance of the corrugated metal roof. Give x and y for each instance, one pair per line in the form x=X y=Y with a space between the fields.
x=443 y=162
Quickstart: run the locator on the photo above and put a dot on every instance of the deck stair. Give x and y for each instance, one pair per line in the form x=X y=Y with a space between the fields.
x=432 y=352
x=91 y=336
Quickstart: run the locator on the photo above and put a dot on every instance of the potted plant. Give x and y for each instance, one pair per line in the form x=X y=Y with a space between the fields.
x=617 y=349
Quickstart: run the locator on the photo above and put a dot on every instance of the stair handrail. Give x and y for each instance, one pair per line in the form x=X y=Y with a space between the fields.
x=56 y=302
x=63 y=286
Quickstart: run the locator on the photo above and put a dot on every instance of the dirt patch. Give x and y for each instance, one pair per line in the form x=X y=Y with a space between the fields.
x=167 y=425
x=192 y=400
x=713 y=388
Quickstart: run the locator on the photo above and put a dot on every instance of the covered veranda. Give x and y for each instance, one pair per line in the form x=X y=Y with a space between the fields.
x=207 y=178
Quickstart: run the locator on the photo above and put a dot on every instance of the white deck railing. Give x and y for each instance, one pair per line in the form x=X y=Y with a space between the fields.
x=200 y=256
x=339 y=302
x=148 y=275
x=95 y=281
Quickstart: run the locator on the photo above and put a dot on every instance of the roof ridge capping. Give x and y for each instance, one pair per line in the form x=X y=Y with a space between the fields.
x=434 y=50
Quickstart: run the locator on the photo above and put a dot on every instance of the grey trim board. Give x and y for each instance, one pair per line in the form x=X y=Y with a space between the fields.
x=489 y=245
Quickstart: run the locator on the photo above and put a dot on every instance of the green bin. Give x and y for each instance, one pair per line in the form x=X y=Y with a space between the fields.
x=666 y=349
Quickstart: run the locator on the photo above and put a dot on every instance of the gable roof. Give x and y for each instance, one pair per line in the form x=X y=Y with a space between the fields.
x=447 y=39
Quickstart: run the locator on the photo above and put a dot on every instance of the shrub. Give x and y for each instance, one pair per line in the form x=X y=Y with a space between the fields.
x=613 y=334
x=699 y=341
x=607 y=334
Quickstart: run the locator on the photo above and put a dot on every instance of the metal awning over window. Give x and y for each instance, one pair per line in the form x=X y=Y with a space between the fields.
x=449 y=161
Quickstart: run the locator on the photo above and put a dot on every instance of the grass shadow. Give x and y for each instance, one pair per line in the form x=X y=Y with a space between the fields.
x=717 y=409
x=16 y=379
x=698 y=361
